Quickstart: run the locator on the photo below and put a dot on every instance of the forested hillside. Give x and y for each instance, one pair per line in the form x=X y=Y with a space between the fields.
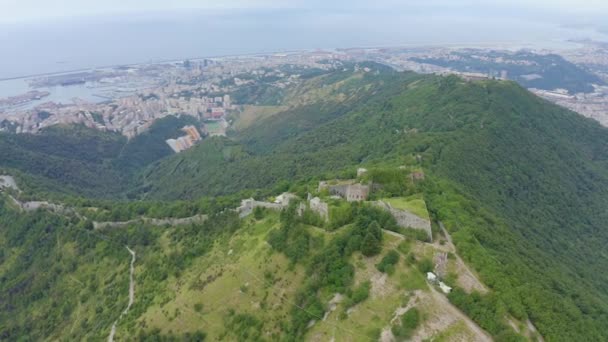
x=539 y=172
x=79 y=161
x=521 y=186
x=68 y=159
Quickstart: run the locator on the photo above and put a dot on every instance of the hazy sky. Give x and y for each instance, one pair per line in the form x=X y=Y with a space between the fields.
x=34 y=10
x=39 y=36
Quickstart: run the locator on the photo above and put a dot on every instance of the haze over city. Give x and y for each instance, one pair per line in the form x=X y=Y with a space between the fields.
x=48 y=36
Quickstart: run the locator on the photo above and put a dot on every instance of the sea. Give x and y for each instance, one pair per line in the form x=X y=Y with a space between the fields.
x=61 y=45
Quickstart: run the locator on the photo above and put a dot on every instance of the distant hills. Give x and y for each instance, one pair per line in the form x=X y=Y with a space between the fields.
x=547 y=72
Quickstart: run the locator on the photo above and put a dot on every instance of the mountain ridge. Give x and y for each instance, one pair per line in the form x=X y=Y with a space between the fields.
x=518 y=183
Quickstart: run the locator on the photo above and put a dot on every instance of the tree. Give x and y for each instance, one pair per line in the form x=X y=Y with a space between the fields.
x=387 y=265
x=409 y=323
x=370 y=245
x=375 y=230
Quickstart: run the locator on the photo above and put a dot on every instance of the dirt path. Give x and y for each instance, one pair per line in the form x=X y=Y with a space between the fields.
x=131 y=295
x=480 y=334
x=467 y=278
x=445 y=232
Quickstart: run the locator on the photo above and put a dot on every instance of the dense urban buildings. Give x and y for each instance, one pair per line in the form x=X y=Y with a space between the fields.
x=128 y=99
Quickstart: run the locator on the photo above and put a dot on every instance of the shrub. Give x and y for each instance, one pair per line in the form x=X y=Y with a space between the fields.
x=425 y=265
x=409 y=323
x=360 y=294
x=388 y=262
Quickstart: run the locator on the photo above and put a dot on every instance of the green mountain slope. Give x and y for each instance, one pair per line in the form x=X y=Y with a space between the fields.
x=537 y=170
x=65 y=160
x=519 y=184
x=270 y=276
x=75 y=160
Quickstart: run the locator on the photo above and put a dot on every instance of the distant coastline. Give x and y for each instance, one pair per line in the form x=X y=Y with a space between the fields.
x=161 y=61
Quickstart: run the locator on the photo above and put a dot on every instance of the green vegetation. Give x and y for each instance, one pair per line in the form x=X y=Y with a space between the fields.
x=425 y=265
x=409 y=322
x=63 y=280
x=491 y=152
x=387 y=265
x=79 y=161
x=487 y=312
x=250 y=114
x=244 y=327
x=414 y=204
x=156 y=335
x=520 y=184
x=328 y=270
x=291 y=238
x=65 y=160
x=150 y=146
x=359 y=294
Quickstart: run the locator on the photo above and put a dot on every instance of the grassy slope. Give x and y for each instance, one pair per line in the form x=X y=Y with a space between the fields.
x=250 y=114
x=243 y=273
x=415 y=204
x=75 y=281
x=239 y=273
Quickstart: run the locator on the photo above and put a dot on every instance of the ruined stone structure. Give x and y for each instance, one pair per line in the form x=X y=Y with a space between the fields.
x=284 y=199
x=301 y=208
x=319 y=207
x=357 y=192
x=35 y=205
x=348 y=190
x=247 y=205
x=8 y=182
x=417 y=176
x=406 y=219
x=152 y=221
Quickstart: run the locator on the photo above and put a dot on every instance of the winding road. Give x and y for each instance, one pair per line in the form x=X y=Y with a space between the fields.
x=131 y=295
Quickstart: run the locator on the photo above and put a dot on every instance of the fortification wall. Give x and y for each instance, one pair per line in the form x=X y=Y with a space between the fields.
x=152 y=221
x=406 y=219
x=248 y=205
